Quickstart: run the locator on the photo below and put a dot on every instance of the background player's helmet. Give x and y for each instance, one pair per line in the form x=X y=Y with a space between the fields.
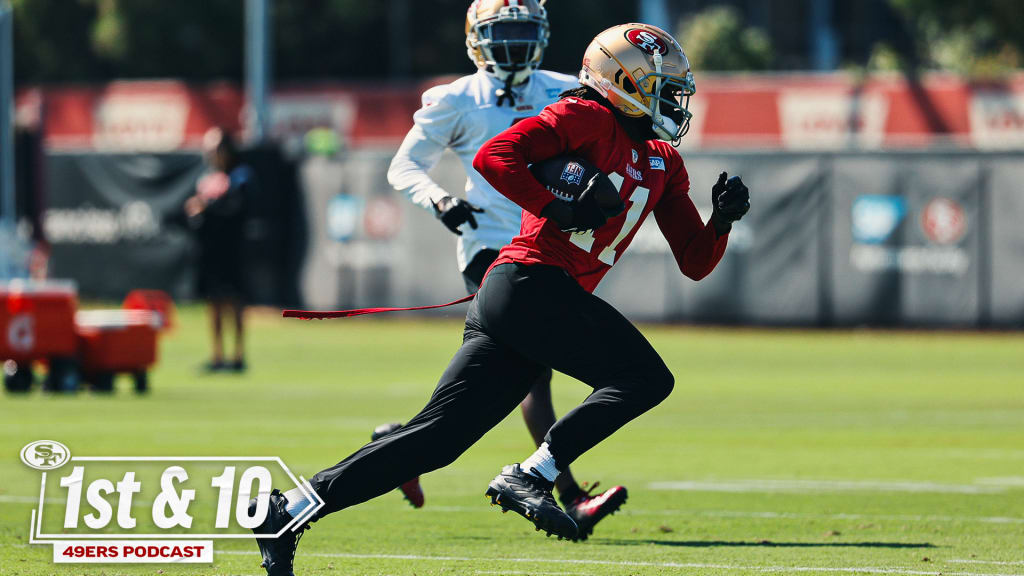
x=507 y=37
x=642 y=70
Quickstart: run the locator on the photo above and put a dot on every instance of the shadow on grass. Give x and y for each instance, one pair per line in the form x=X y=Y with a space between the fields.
x=762 y=544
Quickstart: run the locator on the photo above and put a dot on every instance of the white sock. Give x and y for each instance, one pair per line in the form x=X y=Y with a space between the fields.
x=297 y=502
x=541 y=463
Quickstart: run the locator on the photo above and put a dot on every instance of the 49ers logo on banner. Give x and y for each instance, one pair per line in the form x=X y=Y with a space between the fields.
x=646 y=41
x=944 y=221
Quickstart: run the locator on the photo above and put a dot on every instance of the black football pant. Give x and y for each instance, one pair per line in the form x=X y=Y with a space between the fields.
x=473 y=275
x=523 y=320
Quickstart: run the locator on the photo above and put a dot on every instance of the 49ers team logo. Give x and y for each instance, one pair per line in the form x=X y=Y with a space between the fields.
x=646 y=41
x=944 y=221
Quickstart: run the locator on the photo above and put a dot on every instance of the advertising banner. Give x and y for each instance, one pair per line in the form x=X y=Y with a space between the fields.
x=831 y=239
x=115 y=221
x=905 y=239
x=1003 y=244
x=817 y=112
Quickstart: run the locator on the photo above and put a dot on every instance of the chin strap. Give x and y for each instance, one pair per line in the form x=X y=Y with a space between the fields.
x=506 y=92
x=655 y=105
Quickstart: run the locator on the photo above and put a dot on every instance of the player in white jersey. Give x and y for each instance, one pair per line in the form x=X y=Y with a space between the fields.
x=506 y=40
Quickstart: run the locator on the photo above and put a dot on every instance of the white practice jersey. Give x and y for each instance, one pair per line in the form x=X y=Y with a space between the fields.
x=462 y=116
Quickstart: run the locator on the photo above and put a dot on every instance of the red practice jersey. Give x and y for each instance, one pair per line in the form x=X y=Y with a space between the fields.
x=650 y=177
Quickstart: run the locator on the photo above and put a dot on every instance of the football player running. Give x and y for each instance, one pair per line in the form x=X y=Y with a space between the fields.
x=535 y=309
x=506 y=41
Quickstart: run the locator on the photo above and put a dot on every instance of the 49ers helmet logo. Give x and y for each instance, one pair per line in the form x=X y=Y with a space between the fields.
x=646 y=41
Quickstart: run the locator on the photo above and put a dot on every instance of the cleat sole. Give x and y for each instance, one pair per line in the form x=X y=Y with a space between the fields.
x=494 y=495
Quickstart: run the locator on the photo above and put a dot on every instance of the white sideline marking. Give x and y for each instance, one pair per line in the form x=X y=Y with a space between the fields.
x=693 y=565
x=11 y=499
x=801 y=486
x=523 y=572
x=995 y=562
x=1014 y=481
x=840 y=516
x=14 y=499
x=776 y=515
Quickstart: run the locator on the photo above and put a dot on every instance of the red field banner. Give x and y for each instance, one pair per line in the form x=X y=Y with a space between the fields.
x=796 y=112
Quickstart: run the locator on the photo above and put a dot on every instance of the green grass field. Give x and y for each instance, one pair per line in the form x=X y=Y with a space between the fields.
x=779 y=451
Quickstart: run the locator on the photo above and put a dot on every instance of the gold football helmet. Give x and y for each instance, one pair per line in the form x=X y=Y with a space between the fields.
x=642 y=70
x=507 y=37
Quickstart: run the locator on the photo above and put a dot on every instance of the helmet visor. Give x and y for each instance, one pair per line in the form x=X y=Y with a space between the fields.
x=511 y=44
x=512 y=31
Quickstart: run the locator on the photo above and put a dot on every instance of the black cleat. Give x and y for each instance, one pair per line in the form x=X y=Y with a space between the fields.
x=588 y=510
x=530 y=497
x=411 y=489
x=278 y=553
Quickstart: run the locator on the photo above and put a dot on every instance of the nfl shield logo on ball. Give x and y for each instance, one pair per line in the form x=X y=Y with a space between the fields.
x=572 y=174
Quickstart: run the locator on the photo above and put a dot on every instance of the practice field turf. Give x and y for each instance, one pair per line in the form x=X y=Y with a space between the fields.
x=779 y=451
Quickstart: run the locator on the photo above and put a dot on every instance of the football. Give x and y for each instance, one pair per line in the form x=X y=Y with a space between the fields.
x=567 y=177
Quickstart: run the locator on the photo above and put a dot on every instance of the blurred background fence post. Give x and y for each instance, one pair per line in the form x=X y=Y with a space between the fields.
x=824 y=48
x=7 y=217
x=655 y=12
x=259 y=68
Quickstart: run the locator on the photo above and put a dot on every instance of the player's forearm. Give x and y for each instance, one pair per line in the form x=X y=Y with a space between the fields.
x=420 y=188
x=409 y=170
x=409 y=176
x=502 y=161
x=702 y=253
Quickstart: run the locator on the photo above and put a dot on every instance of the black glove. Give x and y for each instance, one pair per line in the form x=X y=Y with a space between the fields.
x=598 y=202
x=730 y=200
x=454 y=212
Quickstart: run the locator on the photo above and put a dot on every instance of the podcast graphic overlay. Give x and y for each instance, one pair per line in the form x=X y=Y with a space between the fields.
x=151 y=509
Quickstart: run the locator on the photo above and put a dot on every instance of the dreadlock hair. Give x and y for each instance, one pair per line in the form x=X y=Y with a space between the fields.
x=639 y=129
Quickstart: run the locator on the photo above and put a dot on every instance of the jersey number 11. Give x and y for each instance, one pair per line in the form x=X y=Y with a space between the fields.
x=608 y=254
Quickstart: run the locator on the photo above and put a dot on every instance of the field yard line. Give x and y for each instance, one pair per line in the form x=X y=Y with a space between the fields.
x=11 y=499
x=1016 y=481
x=995 y=562
x=14 y=499
x=840 y=516
x=776 y=515
x=694 y=565
x=524 y=572
x=800 y=486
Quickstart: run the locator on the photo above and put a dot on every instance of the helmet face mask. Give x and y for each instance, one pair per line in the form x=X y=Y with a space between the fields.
x=507 y=41
x=510 y=46
x=672 y=101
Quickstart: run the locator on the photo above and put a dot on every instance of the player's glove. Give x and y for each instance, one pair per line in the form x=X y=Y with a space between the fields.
x=598 y=202
x=730 y=200
x=454 y=212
